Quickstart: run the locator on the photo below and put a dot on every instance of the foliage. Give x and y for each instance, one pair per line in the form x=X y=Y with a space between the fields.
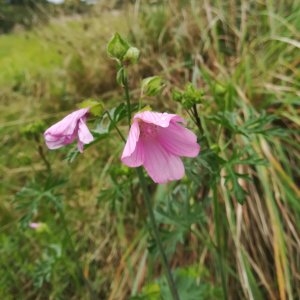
x=230 y=227
x=26 y=13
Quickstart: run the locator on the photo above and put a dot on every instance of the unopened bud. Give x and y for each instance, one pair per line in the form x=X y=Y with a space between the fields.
x=96 y=108
x=117 y=47
x=132 y=55
x=151 y=86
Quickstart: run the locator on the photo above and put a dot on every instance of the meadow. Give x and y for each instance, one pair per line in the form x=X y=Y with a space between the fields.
x=229 y=229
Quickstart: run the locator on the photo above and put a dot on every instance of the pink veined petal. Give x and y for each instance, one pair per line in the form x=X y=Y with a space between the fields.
x=161 y=165
x=84 y=135
x=133 y=137
x=159 y=119
x=179 y=140
x=136 y=158
x=68 y=124
x=55 y=142
x=80 y=146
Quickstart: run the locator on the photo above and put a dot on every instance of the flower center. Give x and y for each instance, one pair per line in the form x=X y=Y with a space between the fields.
x=148 y=130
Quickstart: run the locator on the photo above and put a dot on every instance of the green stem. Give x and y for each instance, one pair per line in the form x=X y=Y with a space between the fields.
x=116 y=127
x=155 y=231
x=127 y=96
x=147 y=200
x=218 y=237
x=42 y=154
x=197 y=118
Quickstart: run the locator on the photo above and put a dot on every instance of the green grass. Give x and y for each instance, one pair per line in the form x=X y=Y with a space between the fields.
x=245 y=58
x=25 y=52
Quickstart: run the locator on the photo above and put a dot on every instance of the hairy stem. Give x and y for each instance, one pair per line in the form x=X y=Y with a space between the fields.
x=155 y=232
x=197 y=118
x=116 y=127
x=127 y=96
x=147 y=200
x=42 y=154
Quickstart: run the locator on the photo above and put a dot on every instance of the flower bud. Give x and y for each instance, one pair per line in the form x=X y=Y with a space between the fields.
x=96 y=108
x=189 y=97
x=117 y=47
x=151 y=86
x=220 y=89
x=33 y=130
x=132 y=55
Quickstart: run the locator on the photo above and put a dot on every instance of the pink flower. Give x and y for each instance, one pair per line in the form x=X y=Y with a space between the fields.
x=39 y=227
x=34 y=225
x=72 y=127
x=156 y=141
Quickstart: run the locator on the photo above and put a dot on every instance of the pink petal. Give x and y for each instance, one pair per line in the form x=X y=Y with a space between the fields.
x=178 y=140
x=65 y=131
x=84 y=134
x=55 y=142
x=159 y=119
x=34 y=225
x=133 y=137
x=161 y=165
x=68 y=124
x=136 y=158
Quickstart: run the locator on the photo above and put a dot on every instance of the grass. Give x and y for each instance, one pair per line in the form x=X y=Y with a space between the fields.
x=26 y=51
x=244 y=57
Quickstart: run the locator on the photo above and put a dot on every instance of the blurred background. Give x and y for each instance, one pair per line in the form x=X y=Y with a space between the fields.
x=92 y=241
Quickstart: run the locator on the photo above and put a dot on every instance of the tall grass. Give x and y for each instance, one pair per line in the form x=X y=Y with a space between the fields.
x=243 y=56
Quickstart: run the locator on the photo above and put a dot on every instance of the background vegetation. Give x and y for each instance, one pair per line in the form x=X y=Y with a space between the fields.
x=230 y=228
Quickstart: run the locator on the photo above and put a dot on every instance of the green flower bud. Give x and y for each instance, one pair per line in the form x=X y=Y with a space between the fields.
x=189 y=97
x=96 y=107
x=220 y=89
x=152 y=86
x=132 y=55
x=117 y=47
x=177 y=96
x=33 y=130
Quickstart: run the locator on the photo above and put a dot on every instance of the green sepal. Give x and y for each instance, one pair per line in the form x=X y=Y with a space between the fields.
x=117 y=47
x=131 y=56
x=152 y=86
x=96 y=107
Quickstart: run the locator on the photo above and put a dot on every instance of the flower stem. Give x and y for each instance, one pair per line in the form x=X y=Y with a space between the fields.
x=155 y=231
x=147 y=200
x=116 y=127
x=127 y=96
x=42 y=154
x=197 y=118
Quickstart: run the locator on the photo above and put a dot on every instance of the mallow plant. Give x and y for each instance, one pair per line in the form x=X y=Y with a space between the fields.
x=163 y=148
x=155 y=141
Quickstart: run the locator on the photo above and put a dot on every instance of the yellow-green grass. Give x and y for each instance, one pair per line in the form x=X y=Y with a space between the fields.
x=25 y=52
x=233 y=52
